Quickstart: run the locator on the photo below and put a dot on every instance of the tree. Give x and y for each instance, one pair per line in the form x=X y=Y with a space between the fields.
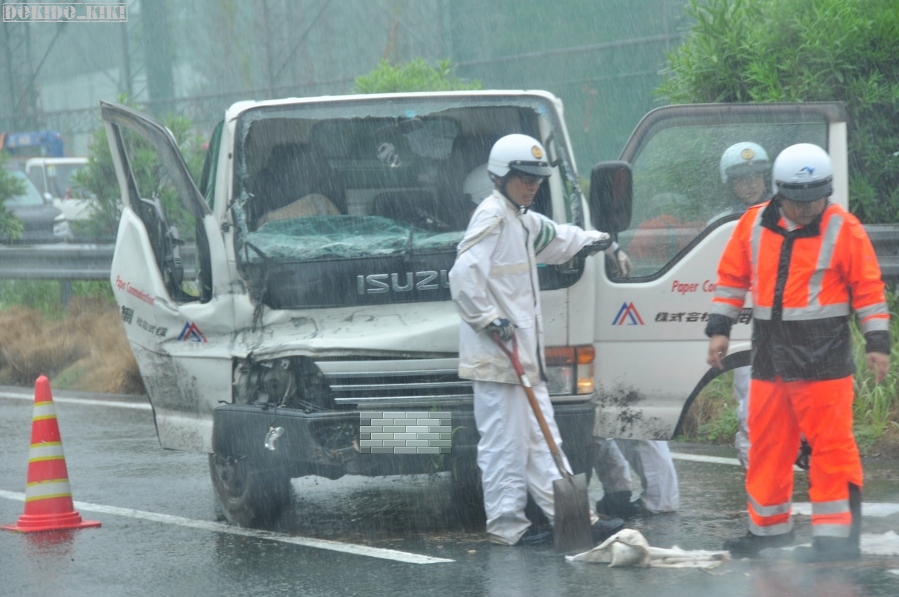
x=10 y=186
x=805 y=50
x=416 y=75
x=99 y=177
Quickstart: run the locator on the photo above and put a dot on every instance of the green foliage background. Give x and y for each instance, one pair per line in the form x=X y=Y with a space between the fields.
x=415 y=75
x=10 y=186
x=801 y=51
x=99 y=177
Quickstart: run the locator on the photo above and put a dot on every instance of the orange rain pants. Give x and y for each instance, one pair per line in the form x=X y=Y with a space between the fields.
x=821 y=411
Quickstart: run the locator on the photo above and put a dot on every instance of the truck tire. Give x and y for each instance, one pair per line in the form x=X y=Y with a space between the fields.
x=249 y=498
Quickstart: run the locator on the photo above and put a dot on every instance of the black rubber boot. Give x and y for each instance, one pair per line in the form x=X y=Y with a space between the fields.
x=835 y=549
x=533 y=538
x=605 y=527
x=618 y=504
x=827 y=549
x=749 y=545
x=855 y=507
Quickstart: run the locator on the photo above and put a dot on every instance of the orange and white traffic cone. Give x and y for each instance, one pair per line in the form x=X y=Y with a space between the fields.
x=48 y=497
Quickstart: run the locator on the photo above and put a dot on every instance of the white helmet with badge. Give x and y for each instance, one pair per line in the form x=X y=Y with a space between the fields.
x=803 y=173
x=520 y=154
x=743 y=159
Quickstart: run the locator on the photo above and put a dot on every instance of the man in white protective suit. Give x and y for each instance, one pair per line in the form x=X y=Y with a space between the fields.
x=494 y=285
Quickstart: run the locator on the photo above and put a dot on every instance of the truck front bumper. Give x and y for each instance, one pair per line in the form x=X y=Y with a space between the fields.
x=327 y=443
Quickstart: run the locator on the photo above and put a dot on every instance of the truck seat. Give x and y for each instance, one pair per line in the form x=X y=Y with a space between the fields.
x=292 y=172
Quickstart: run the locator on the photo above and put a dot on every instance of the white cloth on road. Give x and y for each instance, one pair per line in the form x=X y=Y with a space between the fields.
x=630 y=548
x=880 y=545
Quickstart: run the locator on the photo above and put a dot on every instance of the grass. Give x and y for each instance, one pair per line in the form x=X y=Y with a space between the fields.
x=712 y=418
x=79 y=346
x=876 y=406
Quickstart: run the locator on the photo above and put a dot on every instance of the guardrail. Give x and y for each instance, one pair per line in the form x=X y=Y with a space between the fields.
x=93 y=262
x=885 y=238
x=69 y=262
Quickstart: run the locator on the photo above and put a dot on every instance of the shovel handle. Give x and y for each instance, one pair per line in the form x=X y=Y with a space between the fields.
x=532 y=399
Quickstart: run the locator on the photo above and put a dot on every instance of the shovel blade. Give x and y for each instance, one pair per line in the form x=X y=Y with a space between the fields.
x=571 y=504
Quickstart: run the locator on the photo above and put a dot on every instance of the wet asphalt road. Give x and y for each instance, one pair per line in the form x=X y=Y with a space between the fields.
x=160 y=534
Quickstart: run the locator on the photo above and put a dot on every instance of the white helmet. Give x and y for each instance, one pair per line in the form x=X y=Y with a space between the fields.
x=520 y=154
x=477 y=184
x=742 y=159
x=803 y=173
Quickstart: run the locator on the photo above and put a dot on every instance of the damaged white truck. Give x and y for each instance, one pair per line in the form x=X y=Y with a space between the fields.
x=324 y=229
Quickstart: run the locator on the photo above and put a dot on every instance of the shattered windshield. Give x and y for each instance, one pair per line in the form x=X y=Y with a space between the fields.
x=320 y=237
x=368 y=178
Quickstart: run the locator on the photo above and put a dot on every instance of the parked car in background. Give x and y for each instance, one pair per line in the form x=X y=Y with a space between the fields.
x=37 y=214
x=53 y=177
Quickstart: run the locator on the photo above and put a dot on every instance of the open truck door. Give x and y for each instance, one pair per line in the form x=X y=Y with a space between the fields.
x=175 y=319
x=668 y=206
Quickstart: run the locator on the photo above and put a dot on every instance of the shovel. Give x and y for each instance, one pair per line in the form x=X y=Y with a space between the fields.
x=571 y=527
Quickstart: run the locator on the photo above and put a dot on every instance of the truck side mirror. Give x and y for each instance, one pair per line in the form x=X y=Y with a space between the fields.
x=611 y=196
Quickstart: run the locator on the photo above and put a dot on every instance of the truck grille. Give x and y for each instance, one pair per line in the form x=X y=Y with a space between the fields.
x=410 y=382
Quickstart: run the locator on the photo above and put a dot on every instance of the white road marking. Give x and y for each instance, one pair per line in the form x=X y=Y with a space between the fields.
x=113 y=403
x=869 y=509
x=216 y=527
x=701 y=458
x=712 y=459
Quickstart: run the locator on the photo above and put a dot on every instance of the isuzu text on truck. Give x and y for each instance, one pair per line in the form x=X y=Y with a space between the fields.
x=298 y=316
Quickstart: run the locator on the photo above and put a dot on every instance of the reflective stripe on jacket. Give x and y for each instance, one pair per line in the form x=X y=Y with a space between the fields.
x=804 y=284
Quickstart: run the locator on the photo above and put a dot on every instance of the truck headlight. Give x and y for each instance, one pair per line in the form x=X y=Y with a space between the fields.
x=569 y=369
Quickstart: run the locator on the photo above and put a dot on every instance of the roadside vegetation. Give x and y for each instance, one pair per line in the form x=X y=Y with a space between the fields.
x=81 y=346
x=10 y=186
x=806 y=51
x=98 y=178
x=416 y=75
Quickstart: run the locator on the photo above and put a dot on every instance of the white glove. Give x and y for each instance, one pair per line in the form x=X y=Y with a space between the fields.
x=623 y=262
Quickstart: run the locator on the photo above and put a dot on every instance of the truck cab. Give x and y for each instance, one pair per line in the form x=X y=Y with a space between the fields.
x=324 y=230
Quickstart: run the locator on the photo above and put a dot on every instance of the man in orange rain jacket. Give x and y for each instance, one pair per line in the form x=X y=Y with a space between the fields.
x=808 y=263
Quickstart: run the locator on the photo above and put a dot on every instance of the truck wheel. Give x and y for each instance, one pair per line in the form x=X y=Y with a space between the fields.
x=248 y=498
